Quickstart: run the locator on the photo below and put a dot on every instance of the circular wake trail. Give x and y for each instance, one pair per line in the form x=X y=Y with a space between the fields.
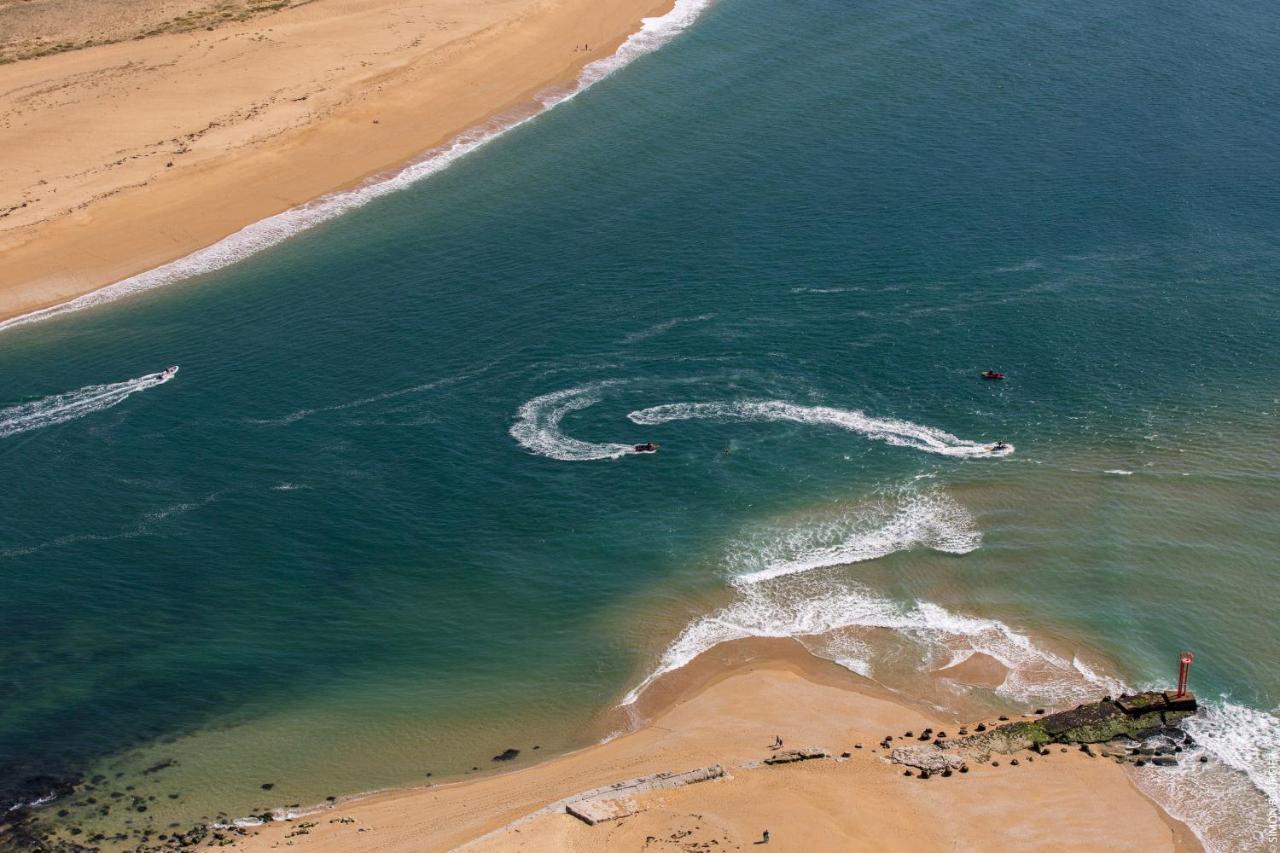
x=537 y=426
x=71 y=405
x=889 y=430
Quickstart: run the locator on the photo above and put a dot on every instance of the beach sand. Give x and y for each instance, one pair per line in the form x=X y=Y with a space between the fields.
x=120 y=157
x=729 y=716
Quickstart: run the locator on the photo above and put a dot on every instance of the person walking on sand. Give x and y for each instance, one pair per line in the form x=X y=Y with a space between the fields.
x=777 y=742
x=765 y=839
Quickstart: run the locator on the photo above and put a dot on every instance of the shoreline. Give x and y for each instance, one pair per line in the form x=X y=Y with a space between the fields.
x=435 y=105
x=723 y=710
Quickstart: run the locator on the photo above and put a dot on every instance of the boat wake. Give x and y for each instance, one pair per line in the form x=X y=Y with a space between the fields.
x=537 y=426
x=889 y=430
x=72 y=405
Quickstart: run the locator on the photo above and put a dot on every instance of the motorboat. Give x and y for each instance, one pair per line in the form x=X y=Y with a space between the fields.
x=169 y=372
x=991 y=374
x=647 y=447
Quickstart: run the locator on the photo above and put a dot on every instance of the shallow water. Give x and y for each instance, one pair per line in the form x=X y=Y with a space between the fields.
x=383 y=522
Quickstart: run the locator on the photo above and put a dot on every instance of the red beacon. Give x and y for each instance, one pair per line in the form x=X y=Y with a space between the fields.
x=1184 y=666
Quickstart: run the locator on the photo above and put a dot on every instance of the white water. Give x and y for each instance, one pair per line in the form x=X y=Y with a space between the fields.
x=930 y=519
x=781 y=593
x=537 y=426
x=71 y=405
x=889 y=430
x=653 y=34
x=1232 y=802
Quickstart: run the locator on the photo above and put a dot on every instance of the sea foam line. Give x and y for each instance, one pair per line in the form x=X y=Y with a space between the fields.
x=71 y=405
x=654 y=32
x=889 y=430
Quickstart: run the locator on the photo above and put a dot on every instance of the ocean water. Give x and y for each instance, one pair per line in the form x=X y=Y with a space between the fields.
x=386 y=520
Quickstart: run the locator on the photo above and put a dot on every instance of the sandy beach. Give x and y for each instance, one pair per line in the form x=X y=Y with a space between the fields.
x=729 y=717
x=182 y=123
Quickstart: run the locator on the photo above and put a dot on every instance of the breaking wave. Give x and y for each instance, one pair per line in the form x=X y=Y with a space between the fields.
x=931 y=519
x=822 y=614
x=654 y=32
x=1231 y=801
x=72 y=405
x=889 y=430
x=537 y=426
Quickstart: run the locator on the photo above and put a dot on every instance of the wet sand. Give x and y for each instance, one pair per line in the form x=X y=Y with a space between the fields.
x=120 y=157
x=713 y=714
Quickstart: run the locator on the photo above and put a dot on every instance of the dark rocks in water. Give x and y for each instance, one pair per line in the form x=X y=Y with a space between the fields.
x=507 y=754
x=535 y=746
x=1204 y=759
x=1165 y=761
x=1139 y=763
x=156 y=768
x=267 y=786
x=331 y=798
x=1039 y=711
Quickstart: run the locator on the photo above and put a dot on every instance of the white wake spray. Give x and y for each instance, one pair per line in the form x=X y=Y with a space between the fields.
x=888 y=430
x=71 y=405
x=537 y=426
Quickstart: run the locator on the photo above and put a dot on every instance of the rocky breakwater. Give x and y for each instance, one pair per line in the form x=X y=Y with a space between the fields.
x=1143 y=728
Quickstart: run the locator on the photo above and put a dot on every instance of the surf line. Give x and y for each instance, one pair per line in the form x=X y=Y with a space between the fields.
x=537 y=426
x=654 y=32
x=72 y=405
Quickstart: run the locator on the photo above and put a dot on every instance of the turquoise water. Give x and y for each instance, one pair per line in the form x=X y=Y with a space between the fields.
x=381 y=523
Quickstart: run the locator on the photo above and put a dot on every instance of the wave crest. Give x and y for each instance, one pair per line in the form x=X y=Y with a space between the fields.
x=931 y=519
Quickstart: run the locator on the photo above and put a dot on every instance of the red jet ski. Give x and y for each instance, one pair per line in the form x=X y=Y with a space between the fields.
x=991 y=374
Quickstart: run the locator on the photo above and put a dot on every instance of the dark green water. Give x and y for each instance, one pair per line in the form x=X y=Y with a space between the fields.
x=378 y=524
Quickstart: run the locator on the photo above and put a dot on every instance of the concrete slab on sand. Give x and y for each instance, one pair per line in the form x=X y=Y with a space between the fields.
x=617 y=801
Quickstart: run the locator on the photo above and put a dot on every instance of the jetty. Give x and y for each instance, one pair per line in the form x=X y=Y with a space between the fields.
x=1131 y=720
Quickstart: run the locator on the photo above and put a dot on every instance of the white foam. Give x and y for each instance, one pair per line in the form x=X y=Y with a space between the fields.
x=1119 y=472
x=1232 y=802
x=537 y=426
x=889 y=430
x=72 y=405
x=654 y=32
x=931 y=519
x=812 y=611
